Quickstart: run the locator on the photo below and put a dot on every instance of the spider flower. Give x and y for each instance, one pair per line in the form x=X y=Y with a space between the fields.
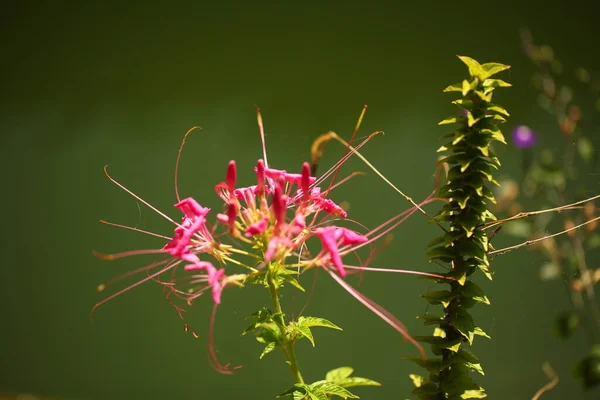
x=264 y=227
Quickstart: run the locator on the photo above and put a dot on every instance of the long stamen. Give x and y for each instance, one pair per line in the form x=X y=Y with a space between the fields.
x=332 y=135
x=262 y=134
x=377 y=310
x=137 y=197
x=362 y=114
x=212 y=356
x=116 y=256
x=134 y=229
x=400 y=271
x=120 y=292
x=407 y=198
x=105 y=285
x=178 y=157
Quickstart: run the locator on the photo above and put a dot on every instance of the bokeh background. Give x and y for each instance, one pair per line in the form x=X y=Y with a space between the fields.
x=85 y=84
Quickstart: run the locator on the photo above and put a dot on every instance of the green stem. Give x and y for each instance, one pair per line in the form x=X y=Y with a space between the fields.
x=288 y=345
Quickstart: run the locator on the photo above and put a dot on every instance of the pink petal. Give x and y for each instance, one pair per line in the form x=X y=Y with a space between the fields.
x=257 y=228
x=191 y=208
x=350 y=237
x=199 y=266
x=328 y=239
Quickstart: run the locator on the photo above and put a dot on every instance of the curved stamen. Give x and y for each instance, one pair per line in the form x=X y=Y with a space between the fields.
x=137 y=197
x=377 y=310
x=179 y=157
x=134 y=229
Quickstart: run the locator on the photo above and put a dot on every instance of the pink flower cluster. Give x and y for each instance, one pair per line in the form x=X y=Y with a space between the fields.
x=258 y=215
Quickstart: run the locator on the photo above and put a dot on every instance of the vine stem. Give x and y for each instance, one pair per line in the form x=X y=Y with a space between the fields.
x=288 y=346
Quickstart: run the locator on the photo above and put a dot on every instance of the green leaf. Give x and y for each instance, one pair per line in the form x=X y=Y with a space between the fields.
x=474 y=394
x=316 y=321
x=471 y=290
x=443 y=297
x=479 y=332
x=268 y=348
x=435 y=242
x=339 y=374
x=457 y=87
x=426 y=388
x=331 y=389
x=493 y=68
x=495 y=83
x=354 y=381
x=442 y=253
x=431 y=319
x=475 y=69
x=498 y=109
x=305 y=332
x=443 y=343
x=463 y=322
x=452 y=120
x=417 y=380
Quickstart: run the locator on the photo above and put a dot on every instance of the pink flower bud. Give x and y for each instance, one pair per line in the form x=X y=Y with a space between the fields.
x=305 y=180
x=260 y=174
x=231 y=175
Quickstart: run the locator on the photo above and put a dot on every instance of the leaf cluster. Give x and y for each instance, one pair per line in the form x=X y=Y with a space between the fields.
x=464 y=246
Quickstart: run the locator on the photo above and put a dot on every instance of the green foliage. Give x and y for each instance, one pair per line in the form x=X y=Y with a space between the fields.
x=335 y=384
x=301 y=328
x=266 y=330
x=464 y=246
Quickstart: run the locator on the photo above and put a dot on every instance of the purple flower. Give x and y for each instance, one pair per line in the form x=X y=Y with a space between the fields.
x=523 y=137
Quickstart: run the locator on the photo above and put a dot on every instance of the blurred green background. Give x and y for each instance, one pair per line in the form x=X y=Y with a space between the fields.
x=85 y=84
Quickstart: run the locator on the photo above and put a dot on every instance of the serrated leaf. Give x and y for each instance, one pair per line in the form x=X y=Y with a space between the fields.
x=339 y=374
x=316 y=321
x=355 y=381
x=331 y=389
x=268 y=348
x=305 y=332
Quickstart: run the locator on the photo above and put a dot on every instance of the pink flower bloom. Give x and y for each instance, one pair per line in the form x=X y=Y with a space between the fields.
x=257 y=228
x=332 y=237
x=276 y=243
x=231 y=175
x=214 y=277
x=191 y=208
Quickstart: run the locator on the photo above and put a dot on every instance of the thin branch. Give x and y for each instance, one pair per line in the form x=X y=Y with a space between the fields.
x=532 y=213
x=548 y=386
x=532 y=241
